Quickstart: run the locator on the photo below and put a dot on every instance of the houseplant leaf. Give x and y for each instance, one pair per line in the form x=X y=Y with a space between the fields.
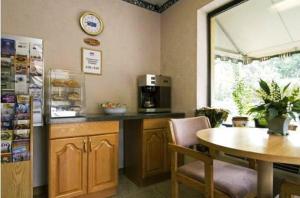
x=264 y=86
x=285 y=88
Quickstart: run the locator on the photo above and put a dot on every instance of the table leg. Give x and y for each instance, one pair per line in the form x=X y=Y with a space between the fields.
x=264 y=179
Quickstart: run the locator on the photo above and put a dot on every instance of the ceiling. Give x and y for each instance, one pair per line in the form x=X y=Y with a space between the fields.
x=156 y=2
x=259 y=28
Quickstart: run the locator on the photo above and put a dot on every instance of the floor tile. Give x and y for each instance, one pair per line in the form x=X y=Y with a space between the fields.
x=127 y=189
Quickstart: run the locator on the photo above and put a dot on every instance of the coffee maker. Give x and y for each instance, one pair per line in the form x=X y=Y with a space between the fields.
x=154 y=93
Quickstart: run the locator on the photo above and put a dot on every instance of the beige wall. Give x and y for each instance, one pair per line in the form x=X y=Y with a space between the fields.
x=130 y=42
x=135 y=41
x=179 y=52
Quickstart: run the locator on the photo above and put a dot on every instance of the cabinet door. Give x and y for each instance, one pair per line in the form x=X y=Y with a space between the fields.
x=103 y=162
x=153 y=152
x=68 y=167
x=167 y=151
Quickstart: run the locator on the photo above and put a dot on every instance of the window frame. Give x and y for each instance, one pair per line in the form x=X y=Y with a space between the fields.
x=211 y=14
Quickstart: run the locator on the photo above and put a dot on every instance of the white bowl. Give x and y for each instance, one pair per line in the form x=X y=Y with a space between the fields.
x=118 y=110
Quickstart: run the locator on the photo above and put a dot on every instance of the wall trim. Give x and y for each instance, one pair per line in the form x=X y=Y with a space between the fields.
x=167 y=5
x=152 y=7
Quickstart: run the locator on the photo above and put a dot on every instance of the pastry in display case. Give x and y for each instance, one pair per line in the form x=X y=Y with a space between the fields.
x=66 y=94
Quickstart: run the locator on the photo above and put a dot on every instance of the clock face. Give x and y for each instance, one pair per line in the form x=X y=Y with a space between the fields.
x=91 y=23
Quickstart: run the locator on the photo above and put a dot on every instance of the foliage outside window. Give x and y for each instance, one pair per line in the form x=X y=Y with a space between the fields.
x=235 y=83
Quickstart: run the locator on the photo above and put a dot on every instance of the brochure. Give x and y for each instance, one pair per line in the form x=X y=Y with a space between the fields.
x=5 y=146
x=6 y=135
x=6 y=157
x=20 y=150
x=8 y=98
x=36 y=51
x=8 y=47
x=22 y=124
x=23 y=99
x=21 y=134
x=7 y=111
x=22 y=48
x=36 y=67
x=21 y=85
x=7 y=125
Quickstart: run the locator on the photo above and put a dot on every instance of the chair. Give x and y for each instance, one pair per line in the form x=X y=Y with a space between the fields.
x=289 y=189
x=212 y=177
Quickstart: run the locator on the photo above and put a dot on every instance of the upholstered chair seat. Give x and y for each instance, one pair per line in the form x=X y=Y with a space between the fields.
x=212 y=177
x=235 y=181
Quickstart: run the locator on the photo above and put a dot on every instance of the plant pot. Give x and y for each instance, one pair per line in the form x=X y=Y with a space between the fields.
x=293 y=127
x=279 y=125
x=240 y=121
x=215 y=116
x=260 y=123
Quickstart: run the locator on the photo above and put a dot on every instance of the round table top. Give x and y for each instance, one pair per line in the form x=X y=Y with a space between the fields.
x=253 y=143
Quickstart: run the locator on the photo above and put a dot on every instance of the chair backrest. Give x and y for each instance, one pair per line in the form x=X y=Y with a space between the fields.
x=184 y=130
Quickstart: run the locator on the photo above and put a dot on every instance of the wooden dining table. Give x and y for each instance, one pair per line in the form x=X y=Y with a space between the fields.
x=256 y=144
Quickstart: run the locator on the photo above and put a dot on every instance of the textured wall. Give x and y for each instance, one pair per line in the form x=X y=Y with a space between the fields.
x=134 y=41
x=130 y=42
x=179 y=52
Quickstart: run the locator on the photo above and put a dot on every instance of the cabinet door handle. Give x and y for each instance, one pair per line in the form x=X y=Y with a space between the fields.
x=84 y=146
x=90 y=142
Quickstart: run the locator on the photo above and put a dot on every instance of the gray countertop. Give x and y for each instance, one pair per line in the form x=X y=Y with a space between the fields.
x=107 y=117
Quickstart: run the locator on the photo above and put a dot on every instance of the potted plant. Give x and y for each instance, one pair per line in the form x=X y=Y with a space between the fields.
x=215 y=116
x=278 y=105
x=242 y=98
x=260 y=120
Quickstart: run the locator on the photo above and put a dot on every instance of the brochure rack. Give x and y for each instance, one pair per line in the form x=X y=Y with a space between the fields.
x=22 y=73
x=17 y=149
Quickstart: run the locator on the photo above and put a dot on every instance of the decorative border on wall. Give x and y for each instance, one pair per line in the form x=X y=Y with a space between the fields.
x=167 y=5
x=152 y=7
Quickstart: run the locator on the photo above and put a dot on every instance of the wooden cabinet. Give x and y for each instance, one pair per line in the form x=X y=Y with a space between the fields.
x=68 y=167
x=147 y=158
x=102 y=160
x=156 y=156
x=153 y=152
x=84 y=165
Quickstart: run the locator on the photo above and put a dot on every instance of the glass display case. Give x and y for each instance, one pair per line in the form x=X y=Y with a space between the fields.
x=66 y=94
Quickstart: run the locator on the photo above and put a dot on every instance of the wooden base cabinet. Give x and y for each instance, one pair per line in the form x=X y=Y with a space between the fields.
x=102 y=162
x=147 y=159
x=154 y=152
x=68 y=167
x=86 y=165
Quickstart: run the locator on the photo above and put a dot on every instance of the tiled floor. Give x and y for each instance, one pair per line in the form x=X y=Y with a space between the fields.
x=127 y=189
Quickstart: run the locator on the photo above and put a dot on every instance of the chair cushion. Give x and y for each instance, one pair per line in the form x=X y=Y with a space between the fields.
x=235 y=181
x=185 y=129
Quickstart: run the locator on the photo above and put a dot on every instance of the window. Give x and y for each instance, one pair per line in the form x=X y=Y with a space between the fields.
x=252 y=40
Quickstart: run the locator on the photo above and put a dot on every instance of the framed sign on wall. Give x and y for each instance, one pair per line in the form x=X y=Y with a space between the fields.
x=91 y=61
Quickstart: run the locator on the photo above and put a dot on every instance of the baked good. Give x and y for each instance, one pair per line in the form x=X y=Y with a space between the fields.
x=58 y=97
x=58 y=83
x=72 y=84
x=73 y=96
x=75 y=108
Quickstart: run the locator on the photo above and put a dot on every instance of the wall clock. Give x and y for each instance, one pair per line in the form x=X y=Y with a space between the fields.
x=91 y=23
